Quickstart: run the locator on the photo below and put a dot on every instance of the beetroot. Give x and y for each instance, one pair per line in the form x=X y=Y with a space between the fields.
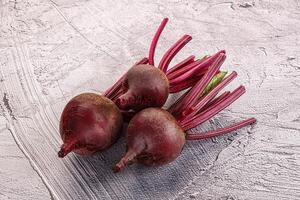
x=144 y=85
x=156 y=137
x=153 y=138
x=89 y=123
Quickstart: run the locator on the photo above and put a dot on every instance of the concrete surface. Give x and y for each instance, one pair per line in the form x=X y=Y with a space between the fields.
x=51 y=50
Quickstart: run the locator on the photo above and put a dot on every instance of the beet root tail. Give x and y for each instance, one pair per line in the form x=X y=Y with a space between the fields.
x=128 y=159
x=66 y=148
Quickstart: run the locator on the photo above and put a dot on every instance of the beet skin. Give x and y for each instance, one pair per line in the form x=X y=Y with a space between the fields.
x=144 y=86
x=89 y=123
x=153 y=138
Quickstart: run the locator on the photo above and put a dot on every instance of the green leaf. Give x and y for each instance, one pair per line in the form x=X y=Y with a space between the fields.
x=214 y=82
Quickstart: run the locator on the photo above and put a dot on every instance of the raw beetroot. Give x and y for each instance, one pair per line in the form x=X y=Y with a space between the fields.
x=156 y=137
x=153 y=138
x=89 y=123
x=147 y=86
x=144 y=86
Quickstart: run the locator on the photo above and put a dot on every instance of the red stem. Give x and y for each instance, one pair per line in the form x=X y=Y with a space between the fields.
x=183 y=63
x=173 y=107
x=169 y=55
x=216 y=100
x=189 y=74
x=188 y=123
x=200 y=86
x=184 y=84
x=184 y=69
x=198 y=67
x=155 y=40
x=143 y=61
x=111 y=92
x=113 y=89
x=193 y=94
x=116 y=95
x=220 y=131
x=193 y=110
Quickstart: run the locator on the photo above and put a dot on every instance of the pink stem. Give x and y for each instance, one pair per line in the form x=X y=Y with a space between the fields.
x=117 y=86
x=188 y=75
x=216 y=100
x=143 y=61
x=184 y=69
x=193 y=94
x=221 y=131
x=193 y=110
x=212 y=106
x=183 y=63
x=111 y=92
x=169 y=55
x=116 y=95
x=174 y=106
x=155 y=40
x=184 y=85
x=188 y=123
x=199 y=67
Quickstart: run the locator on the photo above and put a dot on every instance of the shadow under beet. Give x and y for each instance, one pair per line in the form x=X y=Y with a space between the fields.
x=141 y=182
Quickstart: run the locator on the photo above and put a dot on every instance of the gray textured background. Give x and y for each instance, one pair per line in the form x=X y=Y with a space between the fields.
x=51 y=50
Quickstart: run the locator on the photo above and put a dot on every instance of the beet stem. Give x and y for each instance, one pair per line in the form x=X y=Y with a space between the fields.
x=190 y=67
x=193 y=110
x=201 y=85
x=184 y=85
x=188 y=75
x=181 y=64
x=197 y=68
x=155 y=40
x=188 y=123
x=216 y=100
x=191 y=98
x=220 y=131
x=116 y=88
x=116 y=95
x=169 y=55
x=143 y=61
x=172 y=108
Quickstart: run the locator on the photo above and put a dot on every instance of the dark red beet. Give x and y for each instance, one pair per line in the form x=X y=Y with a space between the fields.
x=156 y=137
x=143 y=86
x=153 y=138
x=89 y=123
